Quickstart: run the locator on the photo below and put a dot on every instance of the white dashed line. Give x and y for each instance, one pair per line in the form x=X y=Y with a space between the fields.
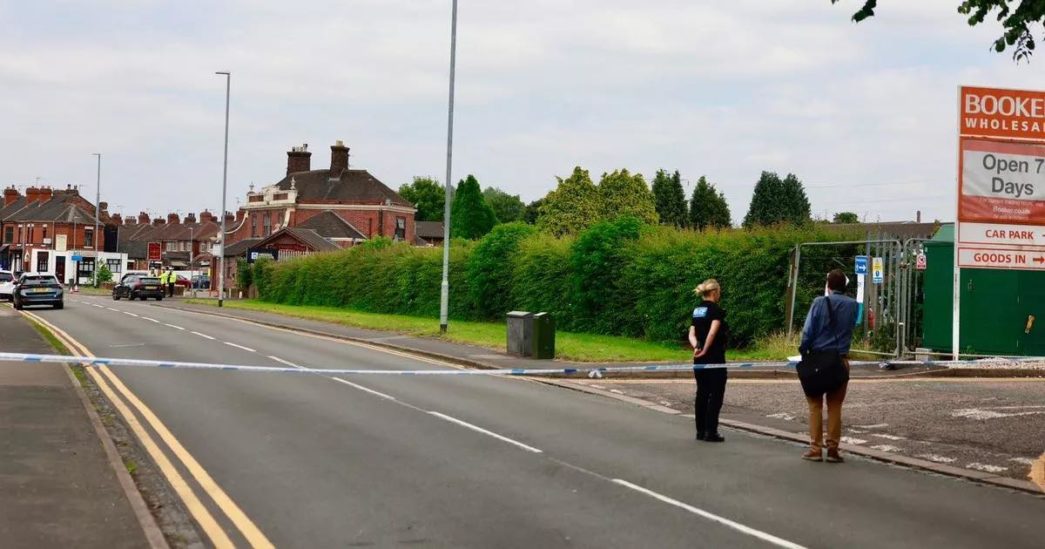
x=888 y=437
x=287 y=362
x=937 y=458
x=1024 y=461
x=986 y=468
x=203 y=335
x=779 y=542
x=886 y=448
x=130 y=314
x=782 y=415
x=361 y=388
x=875 y=426
x=851 y=440
x=113 y=310
x=238 y=346
x=173 y=326
x=97 y=305
x=478 y=429
x=150 y=319
x=616 y=391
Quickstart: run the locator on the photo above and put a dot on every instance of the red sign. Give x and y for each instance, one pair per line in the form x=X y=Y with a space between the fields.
x=155 y=251
x=1012 y=114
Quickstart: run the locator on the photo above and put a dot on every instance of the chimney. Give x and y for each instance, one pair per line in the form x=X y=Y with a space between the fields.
x=11 y=195
x=117 y=219
x=143 y=218
x=45 y=194
x=918 y=216
x=32 y=194
x=338 y=158
x=240 y=214
x=172 y=218
x=299 y=159
x=229 y=219
x=190 y=218
x=159 y=221
x=207 y=217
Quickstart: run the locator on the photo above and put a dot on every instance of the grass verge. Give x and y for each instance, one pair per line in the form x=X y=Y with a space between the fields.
x=568 y=345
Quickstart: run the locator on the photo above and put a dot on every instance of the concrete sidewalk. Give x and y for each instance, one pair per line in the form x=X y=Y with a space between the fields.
x=58 y=486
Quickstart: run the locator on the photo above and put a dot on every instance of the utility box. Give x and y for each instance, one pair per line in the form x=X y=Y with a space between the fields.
x=543 y=336
x=520 y=333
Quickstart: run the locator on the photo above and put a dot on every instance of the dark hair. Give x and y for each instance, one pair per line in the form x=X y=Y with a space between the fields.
x=836 y=280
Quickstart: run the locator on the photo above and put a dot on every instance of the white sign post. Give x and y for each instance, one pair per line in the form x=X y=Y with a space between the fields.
x=1000 y=221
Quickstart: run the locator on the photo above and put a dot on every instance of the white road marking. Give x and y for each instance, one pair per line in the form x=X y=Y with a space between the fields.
x=478 y=429
x=779 y=542
x=97 y=305
x=937 y=458
x=782 y=415
x=203 y=335
x=238 y=346
x=986 y=468
x=1024 y=461
x=851 y=440
x=886 y=448
x=150 y=319
x=287 y=362
x=979 y=414
x=875 y=426
x=113 y=310
x=364 y=389
x=616 y=391
x=888 y=437
x=130 y=314
x=173 y=326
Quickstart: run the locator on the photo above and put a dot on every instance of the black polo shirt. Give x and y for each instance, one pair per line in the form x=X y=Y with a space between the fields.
x=703 y=315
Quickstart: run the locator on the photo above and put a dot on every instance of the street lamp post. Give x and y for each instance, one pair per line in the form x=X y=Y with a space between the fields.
x=224 y=186
x=97 y=208
x=444 y=288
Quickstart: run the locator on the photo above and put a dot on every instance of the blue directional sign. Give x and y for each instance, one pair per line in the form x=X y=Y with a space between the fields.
x=861 y=265
x=77 y=258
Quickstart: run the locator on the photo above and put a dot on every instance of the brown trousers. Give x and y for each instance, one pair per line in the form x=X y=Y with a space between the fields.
x=834 y=417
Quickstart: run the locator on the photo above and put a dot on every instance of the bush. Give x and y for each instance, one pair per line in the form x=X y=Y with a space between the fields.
x=618 y=277
x=244 y=274
x=104 y=274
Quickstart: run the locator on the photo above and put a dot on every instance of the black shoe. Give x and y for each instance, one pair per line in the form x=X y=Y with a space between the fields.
x=714 y=437
x=700 y=436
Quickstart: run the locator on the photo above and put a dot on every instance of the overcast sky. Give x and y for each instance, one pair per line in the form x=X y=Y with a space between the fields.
x=864 y=114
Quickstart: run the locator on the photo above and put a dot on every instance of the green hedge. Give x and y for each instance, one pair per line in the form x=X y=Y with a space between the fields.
x=618 y=277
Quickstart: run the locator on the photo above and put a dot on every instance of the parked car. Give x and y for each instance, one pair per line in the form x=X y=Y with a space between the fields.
x=7 y=285
x=38 y=289
x=201 y=282
x=183 y=282
x=138 y=286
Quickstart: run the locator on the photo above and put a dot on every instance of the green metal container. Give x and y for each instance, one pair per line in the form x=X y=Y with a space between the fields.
x=1002 y=311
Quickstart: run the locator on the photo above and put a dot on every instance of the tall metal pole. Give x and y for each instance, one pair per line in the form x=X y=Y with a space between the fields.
x=224 y=186
x=444 y=288
x=97 y=208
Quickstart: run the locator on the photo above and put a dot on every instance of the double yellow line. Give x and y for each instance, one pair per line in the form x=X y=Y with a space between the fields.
x=118 y=393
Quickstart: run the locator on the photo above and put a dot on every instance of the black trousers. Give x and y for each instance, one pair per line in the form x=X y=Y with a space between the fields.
x=170 y=289
x=711 y=389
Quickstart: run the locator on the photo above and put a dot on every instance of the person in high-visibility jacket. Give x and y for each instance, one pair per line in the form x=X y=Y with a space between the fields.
x=171 y=279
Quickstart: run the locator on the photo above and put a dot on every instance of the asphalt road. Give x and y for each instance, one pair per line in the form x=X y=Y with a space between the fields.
x=489 y=462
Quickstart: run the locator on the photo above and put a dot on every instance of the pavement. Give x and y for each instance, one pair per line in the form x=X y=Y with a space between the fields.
x=474 y=461
x=58 y=483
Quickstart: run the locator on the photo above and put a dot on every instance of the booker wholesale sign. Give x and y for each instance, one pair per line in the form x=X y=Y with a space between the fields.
x=1001 y=179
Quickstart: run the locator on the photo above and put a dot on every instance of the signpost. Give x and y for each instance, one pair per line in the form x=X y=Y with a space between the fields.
x=878 y=271
x=1001 y=185
x=860 y=268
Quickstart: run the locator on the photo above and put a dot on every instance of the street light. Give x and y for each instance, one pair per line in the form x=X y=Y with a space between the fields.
x=97 y=207
x=224 y=186
x=444 y=288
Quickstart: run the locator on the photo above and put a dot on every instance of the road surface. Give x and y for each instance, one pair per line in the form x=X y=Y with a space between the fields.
x=317 y=461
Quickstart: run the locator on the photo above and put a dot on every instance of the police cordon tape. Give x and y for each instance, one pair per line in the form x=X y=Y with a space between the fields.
x=593 y=371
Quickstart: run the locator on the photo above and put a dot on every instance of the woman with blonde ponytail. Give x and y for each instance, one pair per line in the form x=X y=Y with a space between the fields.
x=708 y=335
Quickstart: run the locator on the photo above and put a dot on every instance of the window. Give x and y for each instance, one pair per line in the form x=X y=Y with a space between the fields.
x=41 y=262
x=400 y=229
x=9 y=235
x=171 y=246
x=30 y=233
x=88 y=240
x=86 y=268
x=267 y=223
x=45 y=232
x=254 y=225
x=20 y=234
x=114 y=265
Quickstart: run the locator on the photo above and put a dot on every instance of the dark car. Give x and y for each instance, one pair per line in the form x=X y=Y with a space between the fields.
x=138 y=286
x=38 y=289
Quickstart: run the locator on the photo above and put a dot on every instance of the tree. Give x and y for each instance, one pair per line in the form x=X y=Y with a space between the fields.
x=533 y=211
x=428 y=196
x=509 y=208
x=572 y=206
x=470 y=216
x=846 y=217
x=778 y=201
x=624 y=194
x=104 y=274
x=669 y=198
x=708 y=207
x=1016 y=17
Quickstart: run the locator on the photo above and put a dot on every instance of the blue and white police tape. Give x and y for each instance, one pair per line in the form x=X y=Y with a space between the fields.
x=592 y=371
